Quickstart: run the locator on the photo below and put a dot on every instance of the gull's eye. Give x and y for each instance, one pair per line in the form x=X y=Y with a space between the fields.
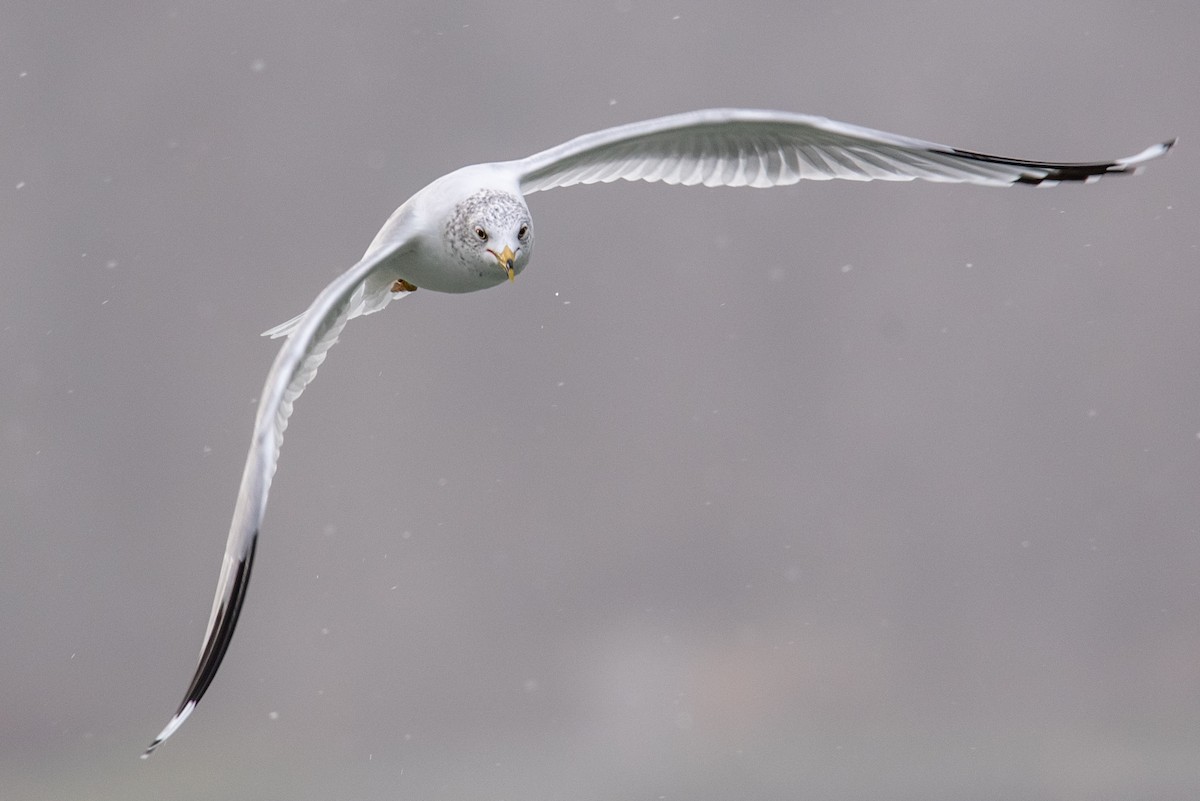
x=523 y=232
x=482 y=234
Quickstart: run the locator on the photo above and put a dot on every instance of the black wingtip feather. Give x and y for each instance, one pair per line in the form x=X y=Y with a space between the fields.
x=1048 y=172
x=227 y=618
x=216 y=646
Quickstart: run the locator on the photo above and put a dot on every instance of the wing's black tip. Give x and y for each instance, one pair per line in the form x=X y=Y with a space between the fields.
x=1048 y=173
x=219 y=637
x=223 y=626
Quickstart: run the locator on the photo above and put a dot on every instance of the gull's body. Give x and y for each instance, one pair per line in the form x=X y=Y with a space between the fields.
x=471 y=230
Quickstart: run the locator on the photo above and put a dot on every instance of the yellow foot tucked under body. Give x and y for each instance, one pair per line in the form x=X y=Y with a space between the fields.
x=403 y=286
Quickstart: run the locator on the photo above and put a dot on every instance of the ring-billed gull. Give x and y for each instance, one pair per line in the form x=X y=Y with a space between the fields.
x=471 y=230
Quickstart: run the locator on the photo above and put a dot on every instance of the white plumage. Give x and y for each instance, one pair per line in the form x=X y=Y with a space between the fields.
x=471 y=230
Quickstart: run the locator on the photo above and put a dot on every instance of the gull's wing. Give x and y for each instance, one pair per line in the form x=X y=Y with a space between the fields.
x=312 y=335
x=740 y=147
x=372 y=295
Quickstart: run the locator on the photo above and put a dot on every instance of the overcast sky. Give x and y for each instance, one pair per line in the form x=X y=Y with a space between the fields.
x=837 y=491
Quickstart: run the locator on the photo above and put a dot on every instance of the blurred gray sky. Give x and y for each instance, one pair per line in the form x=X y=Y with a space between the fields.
x=837 y=491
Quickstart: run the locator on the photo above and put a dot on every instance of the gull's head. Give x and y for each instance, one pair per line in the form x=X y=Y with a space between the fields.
x=491 y=233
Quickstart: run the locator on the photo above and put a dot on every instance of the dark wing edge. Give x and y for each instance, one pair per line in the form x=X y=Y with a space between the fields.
x=224 y=622
x=1048 y=173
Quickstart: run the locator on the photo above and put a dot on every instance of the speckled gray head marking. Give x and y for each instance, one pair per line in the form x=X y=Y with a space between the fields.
x=489 y=209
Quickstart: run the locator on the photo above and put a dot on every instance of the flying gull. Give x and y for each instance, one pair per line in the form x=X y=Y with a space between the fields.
x=471 y=230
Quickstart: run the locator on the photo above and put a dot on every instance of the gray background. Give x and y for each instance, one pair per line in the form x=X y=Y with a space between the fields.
x=838 y=491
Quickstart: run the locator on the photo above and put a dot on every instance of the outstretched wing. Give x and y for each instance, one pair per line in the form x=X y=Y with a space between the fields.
x=312 y=335
x=740 y=147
